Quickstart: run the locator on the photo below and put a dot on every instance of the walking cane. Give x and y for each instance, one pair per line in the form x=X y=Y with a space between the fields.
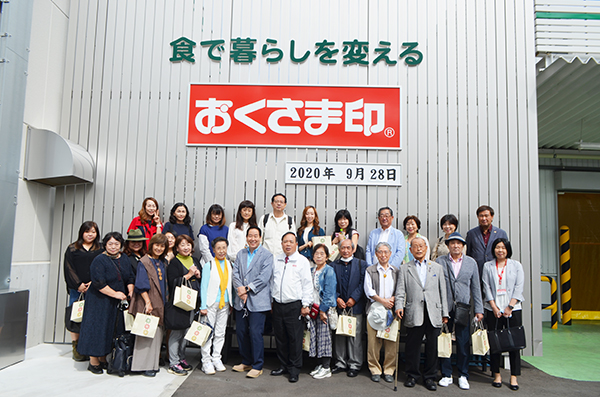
x=397 y=354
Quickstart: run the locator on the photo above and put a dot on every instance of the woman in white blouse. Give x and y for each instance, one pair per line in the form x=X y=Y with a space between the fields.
x=503 y=280
x=244 y=218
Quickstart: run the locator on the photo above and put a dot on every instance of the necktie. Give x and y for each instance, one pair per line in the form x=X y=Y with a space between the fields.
x=286 y=260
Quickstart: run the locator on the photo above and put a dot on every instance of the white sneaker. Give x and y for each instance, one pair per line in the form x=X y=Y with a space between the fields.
x=317 y=369
x=445 y=382
x=219 y=367
x=463 y=383
x=208 y=368
x=323 y=373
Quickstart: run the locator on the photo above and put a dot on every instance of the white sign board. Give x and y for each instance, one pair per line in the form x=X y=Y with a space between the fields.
x=343 y=174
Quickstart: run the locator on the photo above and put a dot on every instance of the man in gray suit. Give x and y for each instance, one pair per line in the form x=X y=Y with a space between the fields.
x=422 y=301
x=462 y=284
x=252 y=272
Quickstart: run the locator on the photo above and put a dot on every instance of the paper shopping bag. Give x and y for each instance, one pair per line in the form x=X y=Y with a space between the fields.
x=306 y=340
x=445 y=343
x=128 y=319
x=391 y=332
x=144 y=325
x=346 y=324
x=479 y=340
x=77 y=310
x=185 y=297
x=198 y=333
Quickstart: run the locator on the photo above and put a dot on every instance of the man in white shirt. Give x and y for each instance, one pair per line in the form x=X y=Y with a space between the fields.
x=275 y=224
x=380 y=285
x=292 y=292
x=386 y=233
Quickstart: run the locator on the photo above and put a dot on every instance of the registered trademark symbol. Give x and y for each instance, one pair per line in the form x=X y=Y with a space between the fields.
x=389 y=132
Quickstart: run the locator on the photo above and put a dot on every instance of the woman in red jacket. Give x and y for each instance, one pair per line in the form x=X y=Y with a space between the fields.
x=148 y=220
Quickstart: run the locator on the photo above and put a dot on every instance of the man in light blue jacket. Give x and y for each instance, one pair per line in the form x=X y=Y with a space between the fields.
x=386 y=233
x=252 y=272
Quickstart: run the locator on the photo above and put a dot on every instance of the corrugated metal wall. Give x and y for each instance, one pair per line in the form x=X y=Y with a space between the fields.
x=469 y=115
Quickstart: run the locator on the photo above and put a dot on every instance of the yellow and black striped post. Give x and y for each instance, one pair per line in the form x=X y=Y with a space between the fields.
x=553 y=306
x=565 y=274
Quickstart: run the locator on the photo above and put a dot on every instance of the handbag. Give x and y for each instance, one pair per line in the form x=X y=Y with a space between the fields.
x=445 y=343
x=145 y=325
x=185 y=296
x=346 y=324
x=332 y=318
x=390 y=332
x=306 y=340
x=462 y=311
x=176 y=318
x=77 y=309
x=71 y=326
x=199 y=333
x=479 y=340
x=507 y=339
x=314 y=311
x=119 y=359
x=128 y=320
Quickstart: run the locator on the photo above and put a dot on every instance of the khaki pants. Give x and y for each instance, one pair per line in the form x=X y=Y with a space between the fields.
x=374 y=348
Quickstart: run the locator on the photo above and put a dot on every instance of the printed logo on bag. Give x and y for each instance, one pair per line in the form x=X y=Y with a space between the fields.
x=197 y=333
x=148 y=320
x=194 y=338
x=145 y=332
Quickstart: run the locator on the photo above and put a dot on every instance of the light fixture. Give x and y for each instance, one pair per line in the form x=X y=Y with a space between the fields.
x=588 y=145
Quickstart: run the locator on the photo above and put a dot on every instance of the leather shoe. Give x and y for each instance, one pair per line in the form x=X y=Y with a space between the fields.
x=388 y=378
x=293 y=378
x=410 y=382
x=375 y=378
x=430 y=385
x=513 y=387
x=337 y=370
x=352 y=373
x=279 y=371
x=497 y=384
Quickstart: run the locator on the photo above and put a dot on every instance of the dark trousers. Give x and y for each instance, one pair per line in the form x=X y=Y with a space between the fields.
x=514 y=357
x=414 y=338
x=463 y=344
x=249 y=331
x=289 y=330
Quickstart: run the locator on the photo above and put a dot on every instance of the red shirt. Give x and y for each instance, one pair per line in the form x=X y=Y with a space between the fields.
x=147 y=228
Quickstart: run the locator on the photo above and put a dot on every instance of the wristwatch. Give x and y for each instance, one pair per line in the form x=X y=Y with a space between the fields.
x=511 y=307
x=247 y=289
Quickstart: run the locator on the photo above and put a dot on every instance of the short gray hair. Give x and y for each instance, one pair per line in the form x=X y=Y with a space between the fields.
x=383 y=244
x=348 y=239
x=418 y=238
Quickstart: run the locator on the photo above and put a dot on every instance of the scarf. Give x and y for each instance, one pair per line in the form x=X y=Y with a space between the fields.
x=224 y=276
x=186 y=261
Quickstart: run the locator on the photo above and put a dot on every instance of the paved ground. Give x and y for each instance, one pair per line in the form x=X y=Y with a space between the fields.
x=533 y=382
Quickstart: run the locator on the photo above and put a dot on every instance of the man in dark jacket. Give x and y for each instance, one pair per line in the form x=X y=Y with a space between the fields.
x=350 y=274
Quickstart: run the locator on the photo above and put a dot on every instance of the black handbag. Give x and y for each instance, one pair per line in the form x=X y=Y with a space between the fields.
x=176 y=318
x=119 y=360
x=71 y=326
x=507 y=339
x=462 y=314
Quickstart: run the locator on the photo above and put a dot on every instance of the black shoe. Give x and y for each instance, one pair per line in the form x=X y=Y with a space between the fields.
x=375 y=378
x=104 y=364
x=388 y=378
x=352 y=373
x=95 y=369
x=513 y=387
x=161 y=362
x=280 y=371
x=337 y=370
x=497 y=384
x=149 y=374
x=410 y=382
x=293 y=378
x=430 y=384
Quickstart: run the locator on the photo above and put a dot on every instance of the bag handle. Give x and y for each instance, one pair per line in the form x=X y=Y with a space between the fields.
x=80 y=297
x=445 y=327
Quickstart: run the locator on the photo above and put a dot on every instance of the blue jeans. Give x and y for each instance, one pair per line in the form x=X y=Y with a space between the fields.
x=463 y=344
x=249 y=332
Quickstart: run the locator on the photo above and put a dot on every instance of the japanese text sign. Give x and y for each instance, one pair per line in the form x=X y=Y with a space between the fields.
x=343 y=174
x=276 y=115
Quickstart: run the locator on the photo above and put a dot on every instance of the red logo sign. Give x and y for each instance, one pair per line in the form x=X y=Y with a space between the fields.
x=270 y=115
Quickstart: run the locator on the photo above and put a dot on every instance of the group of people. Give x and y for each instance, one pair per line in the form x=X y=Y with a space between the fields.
x=304 y=280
